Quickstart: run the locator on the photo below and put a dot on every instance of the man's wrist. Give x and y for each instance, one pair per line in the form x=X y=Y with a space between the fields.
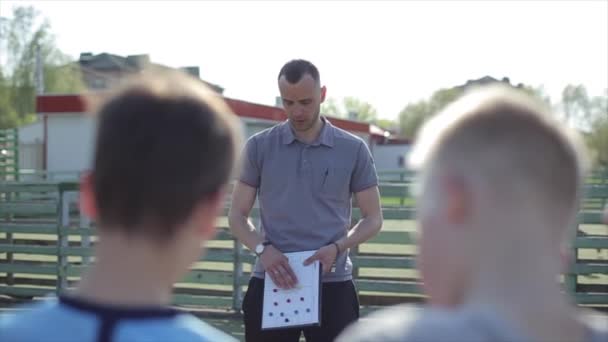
x=337 y=246
x=260 y=248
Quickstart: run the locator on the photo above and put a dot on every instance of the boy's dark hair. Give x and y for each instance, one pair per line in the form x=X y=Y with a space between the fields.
x=295 y=69
x=164 y=143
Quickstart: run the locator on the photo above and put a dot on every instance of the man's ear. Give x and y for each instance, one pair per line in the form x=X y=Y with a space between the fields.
x=87 y=202
x=323 y=93
x=459 y=200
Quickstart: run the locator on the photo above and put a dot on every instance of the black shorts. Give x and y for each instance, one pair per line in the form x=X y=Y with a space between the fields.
x=339 y=308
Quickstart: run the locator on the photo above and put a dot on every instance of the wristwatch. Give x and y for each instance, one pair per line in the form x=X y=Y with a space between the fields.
x=259 y=249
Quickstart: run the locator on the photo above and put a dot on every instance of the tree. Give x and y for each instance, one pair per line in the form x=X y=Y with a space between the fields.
x=387 y=124
x=575 y=104
x=412 y=117
x=362 y=110
x=415 y=114
x=23 y=37
x=8 y=116
x=330 y=107
x=597 y=141
x=589 y=114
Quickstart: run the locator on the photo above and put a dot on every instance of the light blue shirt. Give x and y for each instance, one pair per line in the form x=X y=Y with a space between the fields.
x=69 y=319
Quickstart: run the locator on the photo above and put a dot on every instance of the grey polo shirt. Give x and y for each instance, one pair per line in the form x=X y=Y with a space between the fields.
x=305 y=190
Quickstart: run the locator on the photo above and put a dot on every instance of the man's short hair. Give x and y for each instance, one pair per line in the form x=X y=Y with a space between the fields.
x=295 y=69
x=510 y=141
x=164 y=143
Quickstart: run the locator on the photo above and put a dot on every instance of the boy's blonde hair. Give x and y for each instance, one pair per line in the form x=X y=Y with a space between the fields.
x=512 y=144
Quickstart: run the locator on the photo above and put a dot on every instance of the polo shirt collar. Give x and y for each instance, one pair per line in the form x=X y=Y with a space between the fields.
x=325 y=138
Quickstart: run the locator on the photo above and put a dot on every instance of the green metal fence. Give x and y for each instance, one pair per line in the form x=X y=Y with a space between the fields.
x=45 y=244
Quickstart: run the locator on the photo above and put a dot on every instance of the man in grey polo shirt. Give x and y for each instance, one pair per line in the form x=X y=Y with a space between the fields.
x=304 y=173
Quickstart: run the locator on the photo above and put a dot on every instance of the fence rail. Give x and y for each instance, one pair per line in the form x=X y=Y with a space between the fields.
x=45 y=244
x=9 y=154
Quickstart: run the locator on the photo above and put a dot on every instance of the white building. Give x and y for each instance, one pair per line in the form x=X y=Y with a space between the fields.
x=61 y=141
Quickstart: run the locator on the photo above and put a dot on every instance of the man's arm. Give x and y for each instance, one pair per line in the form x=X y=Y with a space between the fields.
x=243 y=197
x=364 y=185
x=275 y=263
x=371 y=219
x=366 y=228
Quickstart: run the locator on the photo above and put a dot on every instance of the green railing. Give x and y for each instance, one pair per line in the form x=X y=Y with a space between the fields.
x=45 y=244
x=9 y=154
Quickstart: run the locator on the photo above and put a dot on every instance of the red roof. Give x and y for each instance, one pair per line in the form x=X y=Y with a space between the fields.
x=56 y=104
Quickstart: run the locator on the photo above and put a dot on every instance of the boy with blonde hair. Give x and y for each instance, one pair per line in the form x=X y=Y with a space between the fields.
x=500 y=187
x=165 y=149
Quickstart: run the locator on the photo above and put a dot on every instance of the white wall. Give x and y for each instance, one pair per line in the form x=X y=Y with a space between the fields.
x=70 y=142
x=253 y=126
x=31 y=133
x=31 y=146
x=387 y=156
x=71 y=139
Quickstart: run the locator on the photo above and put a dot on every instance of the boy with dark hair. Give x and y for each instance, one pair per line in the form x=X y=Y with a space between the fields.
x=165 y=149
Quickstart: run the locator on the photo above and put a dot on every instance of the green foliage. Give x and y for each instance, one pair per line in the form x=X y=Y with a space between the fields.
x=330 y=107
x=597 y=141
x=22 y=37
x=386 y=124
x=413 y=116
x=591 y=114
x=364 y=110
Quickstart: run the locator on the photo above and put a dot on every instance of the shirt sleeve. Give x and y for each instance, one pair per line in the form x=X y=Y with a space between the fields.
x=250 y=166
x=364 y=175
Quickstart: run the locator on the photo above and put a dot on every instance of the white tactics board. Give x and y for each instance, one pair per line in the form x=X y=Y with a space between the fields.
x=299 y=306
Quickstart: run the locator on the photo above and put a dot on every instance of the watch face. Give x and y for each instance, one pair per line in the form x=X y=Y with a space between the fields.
x=259 y=248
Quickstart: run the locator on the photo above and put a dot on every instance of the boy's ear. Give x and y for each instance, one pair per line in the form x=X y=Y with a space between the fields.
x=458 y=200
x=323 y=93
x=208 y=211
x=565 y=256
x=87 y=202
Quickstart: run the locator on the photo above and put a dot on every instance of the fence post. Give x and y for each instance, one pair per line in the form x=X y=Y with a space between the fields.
x=85 y=239
x=63 y=220
x=10 y=280
x=570 y=278
x=237 y=273
x=16 y=167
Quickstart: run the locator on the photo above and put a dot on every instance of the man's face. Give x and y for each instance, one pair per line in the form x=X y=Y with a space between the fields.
x=302 y=101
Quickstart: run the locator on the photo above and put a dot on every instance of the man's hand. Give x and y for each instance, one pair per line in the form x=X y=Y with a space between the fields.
x=326 y=255
x=277 y=267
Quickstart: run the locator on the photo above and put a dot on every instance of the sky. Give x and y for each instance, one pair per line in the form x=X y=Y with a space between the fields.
x=388 y=53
